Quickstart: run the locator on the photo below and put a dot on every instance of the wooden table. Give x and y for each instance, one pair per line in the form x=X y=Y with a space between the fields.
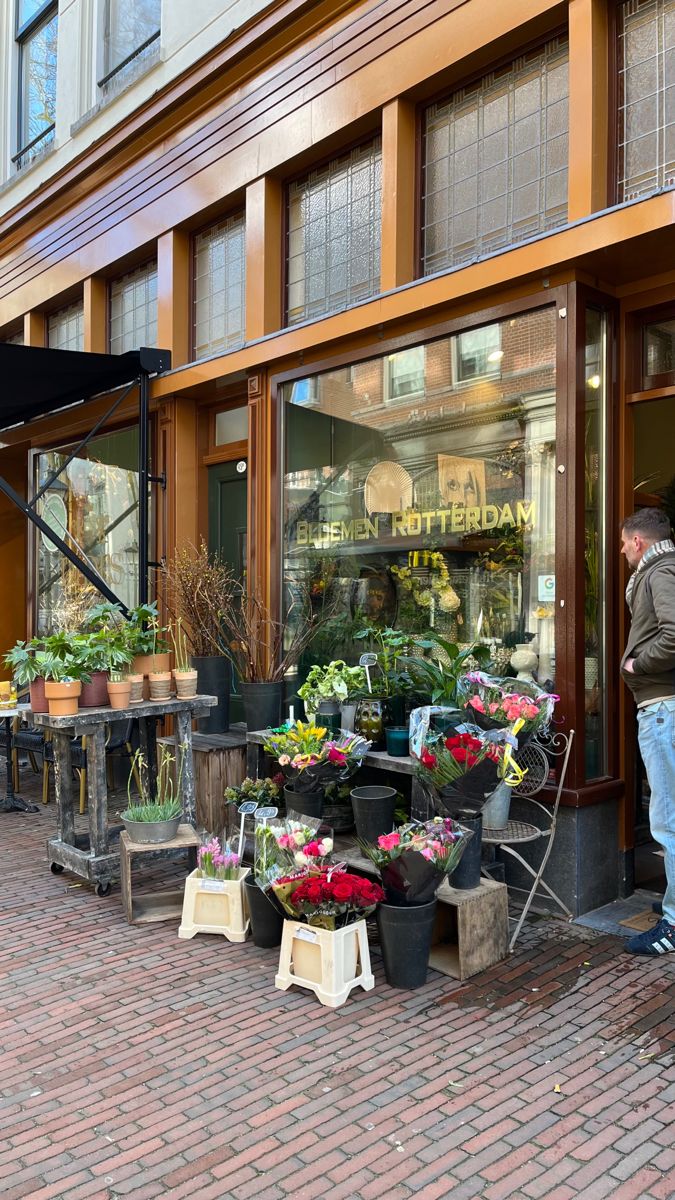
x=421 y=804
x=92 y=856
x=10 y=802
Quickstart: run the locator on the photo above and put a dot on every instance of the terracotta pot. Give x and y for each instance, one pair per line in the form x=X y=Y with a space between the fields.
x=136 y=685
x=119 y=693
x=38 y=700
x=160 y=685
x=186 y=684
x=95 y=693
x=144 y=664
x=63 y=697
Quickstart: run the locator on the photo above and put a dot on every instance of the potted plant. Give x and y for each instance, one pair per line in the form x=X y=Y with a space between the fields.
x=153 y=818
x=119 y=690
x=324 y=946
x=413 y=861
x=333 y=689
x=159 y=676
x=184 y=675
x=199 y=588
x=436 y=672
x=26 y=662
x=105 y=650
x=214 y=899
x=386 y=704
x=63 y=683
x=150 y=653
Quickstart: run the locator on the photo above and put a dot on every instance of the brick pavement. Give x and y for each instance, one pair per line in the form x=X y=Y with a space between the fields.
x=137 y=1065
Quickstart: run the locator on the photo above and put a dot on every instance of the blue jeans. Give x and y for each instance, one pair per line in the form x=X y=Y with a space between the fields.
x=656 y=736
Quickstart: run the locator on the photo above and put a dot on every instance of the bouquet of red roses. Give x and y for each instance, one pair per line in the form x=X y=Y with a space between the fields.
x=328 y=898
x=462 y=766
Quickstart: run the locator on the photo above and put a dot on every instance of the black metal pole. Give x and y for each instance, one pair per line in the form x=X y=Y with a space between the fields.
x=143 y=485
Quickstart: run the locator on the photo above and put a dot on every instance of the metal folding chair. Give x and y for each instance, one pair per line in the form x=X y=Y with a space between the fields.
x=535 y=758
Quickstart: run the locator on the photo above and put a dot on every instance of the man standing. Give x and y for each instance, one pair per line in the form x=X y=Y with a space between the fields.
x=648 y=667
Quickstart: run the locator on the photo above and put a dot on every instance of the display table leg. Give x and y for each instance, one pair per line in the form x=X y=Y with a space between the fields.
x=97 y=791
x=185 y=768
x=63 y=788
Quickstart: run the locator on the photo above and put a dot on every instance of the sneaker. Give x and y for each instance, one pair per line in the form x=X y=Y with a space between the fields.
x=659 y=940
x=657 y=907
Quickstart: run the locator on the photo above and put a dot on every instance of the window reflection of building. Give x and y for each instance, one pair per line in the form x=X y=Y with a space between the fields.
x=475 y=528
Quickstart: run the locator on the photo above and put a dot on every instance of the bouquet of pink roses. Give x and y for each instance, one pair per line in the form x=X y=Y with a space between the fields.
x=492 y=702
x=414 y=860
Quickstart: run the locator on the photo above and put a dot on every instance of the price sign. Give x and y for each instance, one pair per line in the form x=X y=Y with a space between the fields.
x=264 y=814
x=212 y=885
x=248 y=807
x=304 y=934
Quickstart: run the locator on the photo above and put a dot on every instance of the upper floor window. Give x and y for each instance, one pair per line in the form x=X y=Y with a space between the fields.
x=219 y=288
x=133 y=310
x=36 y=34
x=404 y=373
x=334 y=231
x=478 y=353
x=646 y=97
x=132 y=32
x=495 y=160
x=65 y=329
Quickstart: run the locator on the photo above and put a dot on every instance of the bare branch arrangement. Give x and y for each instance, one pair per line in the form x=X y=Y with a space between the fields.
x=220 y=615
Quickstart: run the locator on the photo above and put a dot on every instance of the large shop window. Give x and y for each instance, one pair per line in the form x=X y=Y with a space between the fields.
x=93 y=506
x=334 y=233
x=646 y=97
x=436 y=512
x=495 y=160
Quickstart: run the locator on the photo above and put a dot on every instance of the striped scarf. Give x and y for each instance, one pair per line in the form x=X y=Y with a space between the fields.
x=655 y=551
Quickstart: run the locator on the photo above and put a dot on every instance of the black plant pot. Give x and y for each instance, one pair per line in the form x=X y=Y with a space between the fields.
x=262 y=704
x=310 y=804
x=466 y=874
x=374 y=809
x=267 y=922
x=214 y=678
x=405 y=938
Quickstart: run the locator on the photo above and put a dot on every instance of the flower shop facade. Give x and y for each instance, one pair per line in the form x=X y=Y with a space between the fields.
x=415 y=292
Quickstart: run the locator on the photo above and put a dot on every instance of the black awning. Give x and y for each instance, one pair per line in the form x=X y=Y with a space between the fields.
x=34 y=380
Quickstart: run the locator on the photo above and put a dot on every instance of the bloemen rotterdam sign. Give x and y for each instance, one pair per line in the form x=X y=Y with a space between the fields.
x=457 y=519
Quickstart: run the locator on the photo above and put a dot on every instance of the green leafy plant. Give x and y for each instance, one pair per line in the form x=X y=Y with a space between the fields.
x=392 y=648
x=144 y=630
x=336 y=682
x=437 y=675
x=165 y=805
x=25 y=660
x=63 y=670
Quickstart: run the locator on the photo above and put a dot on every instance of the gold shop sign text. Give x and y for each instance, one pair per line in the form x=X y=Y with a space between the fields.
x=413 y=524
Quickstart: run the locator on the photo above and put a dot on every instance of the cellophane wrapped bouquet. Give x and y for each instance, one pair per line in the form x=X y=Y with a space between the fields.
x=308 y=758
x=414 y=859
x=284 y=846
x=495 y=702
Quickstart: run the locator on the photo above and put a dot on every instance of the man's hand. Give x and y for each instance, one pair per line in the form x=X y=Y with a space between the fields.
x=628 y=665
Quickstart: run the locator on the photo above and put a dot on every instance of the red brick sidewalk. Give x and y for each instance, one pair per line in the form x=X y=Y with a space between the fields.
x=138 y=1065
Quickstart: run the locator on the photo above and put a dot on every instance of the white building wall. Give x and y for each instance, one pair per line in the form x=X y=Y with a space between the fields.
x=190 y=29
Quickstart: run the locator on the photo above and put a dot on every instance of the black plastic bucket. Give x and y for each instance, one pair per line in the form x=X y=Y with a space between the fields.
x=214 y=675
x=267 y=922
x=309 y=804
x=466 y=874
x=405 y=938
x=262 y=704
x=374 y=809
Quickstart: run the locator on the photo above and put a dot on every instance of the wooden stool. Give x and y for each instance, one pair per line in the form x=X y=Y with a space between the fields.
x=328 y=962
x=157 y=906
x=471 y=932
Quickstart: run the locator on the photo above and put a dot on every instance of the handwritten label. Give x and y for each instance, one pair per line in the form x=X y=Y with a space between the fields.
x=264 y=814
x=306 y=935
x=248 y=807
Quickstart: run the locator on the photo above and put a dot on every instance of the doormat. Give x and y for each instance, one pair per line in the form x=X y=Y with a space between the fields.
x=642 y=922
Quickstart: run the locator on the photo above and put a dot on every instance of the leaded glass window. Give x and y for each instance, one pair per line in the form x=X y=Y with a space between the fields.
x=133 y=310
x=646 y=97
x=66 y=328
x=495 y=160
x=219 y=288
x=334 y=232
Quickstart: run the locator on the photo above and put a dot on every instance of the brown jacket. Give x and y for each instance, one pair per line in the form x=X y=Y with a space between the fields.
x=651 y=640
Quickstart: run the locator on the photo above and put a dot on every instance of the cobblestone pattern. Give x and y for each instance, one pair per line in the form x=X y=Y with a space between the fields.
x=137 y=1065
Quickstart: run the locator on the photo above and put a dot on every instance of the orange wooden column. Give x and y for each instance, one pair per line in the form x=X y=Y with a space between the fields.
x=264 y=250
x=95 y=315
x=173 y=295
x=398 y=194
x=590 y=122
x=34 y=329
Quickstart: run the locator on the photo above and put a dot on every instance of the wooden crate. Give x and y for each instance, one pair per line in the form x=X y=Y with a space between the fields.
x=164 y=904
x=471 y=932
x=219 y=762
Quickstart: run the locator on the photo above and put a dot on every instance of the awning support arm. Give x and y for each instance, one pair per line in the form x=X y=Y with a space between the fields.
x=83 y=567
x=85 y=442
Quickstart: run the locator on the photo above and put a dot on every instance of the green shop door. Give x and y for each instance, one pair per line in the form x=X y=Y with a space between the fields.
x=228 y=493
